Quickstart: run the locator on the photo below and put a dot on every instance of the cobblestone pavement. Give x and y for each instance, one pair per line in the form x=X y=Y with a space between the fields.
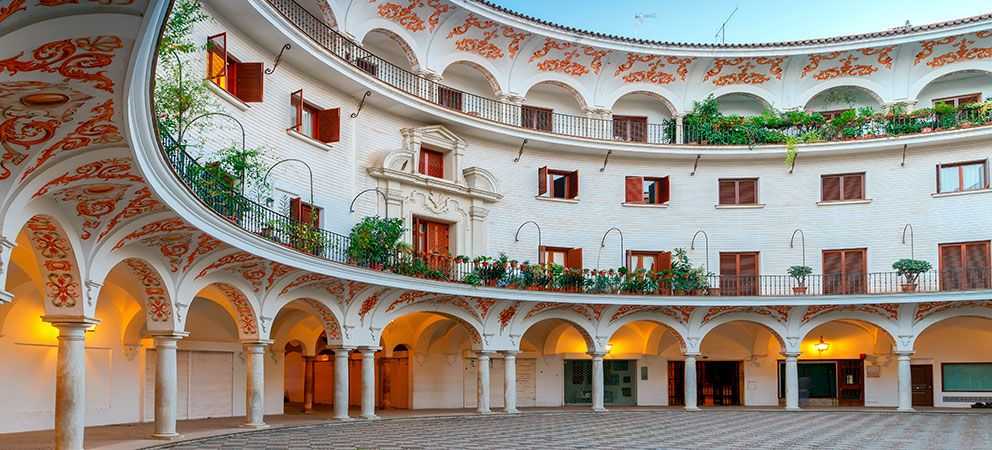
x=633 y=429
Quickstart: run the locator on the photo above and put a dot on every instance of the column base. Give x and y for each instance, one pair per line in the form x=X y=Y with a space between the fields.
x=255 y=426
x=486 y=412
x=691 y=408
x=342 y=419
x=511 y=411
x=371 y=417
x=166 y=436
x=599 y=410
x=793 y=408
x=905 y=410
x=307 y=411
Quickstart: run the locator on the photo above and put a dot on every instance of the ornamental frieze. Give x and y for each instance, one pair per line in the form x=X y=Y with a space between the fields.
x=886 y=310
x=926 y=309
x=246 y=316
x=827 y=66
x=411 y=15
x=489 y=39
x=778 y=313
x=679 y=313
x=159 y=309
x=755 y=70
x=62 y=286
x=650 y=69
x=955 y=49
x=568 y=58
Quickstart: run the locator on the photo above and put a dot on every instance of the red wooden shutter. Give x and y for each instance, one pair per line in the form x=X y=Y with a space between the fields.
x=951 y=266
x=296 y=101
x=329 y=125
x=629 y=255
x=634 y=190
x=573 y=258
x=855 y=272
x=542 y=254
x=728 y=273
x=664 y=194
x=748 y=273
x=977 y=264
x=728 y=192
x=830 y=188
x=662 y=261
x=542 y=180
x=853 y=187
x=249 y=82
x=296 y=209
x=832 y=272
x=573 y=184
x=217 y=58
x=747 y=192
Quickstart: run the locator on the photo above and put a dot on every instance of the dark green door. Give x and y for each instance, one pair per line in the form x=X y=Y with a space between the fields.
x=618 y=380
x=578 y=382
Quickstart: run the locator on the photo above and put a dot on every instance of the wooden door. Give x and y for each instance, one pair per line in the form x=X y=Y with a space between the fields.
x=965 y=266
x=394 y=383
x=845 y=271
x=851 y=382
x=430 y=237
x=739 y=273
x=922 y=384
x=676 y=383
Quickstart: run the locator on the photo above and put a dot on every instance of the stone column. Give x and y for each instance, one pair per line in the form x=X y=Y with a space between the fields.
x=368 y=382
x=679 y=131
x=690 y=382
x=255 y=384
x=341 y=382
x=166 y=384
x=791 y=380
x=308 y=373
x=597 y=382
x=905 y=382
x=70 y=380
x=510 y=382
x=484 y=383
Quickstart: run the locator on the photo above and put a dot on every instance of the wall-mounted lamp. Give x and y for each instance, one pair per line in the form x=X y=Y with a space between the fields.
x=821 y=346
x=609 y=348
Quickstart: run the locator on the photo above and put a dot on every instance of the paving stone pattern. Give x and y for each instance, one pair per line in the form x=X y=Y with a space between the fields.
x=633 y=429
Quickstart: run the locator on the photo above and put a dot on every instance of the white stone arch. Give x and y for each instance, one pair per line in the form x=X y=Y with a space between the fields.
x=477 y=63
x=400 y=36
x=233 y=298
x=594 y=343
x=556 y=80
x=870 y=87
x=764 y=95
x=157 y=292
x=679 y=329
x=330 y=317
x=982 y=312
x=58 y=254
x=890 y=327
x=917 y=87
x=776 y=328
x=437 y=329
x=663 y=94
x=434 y=306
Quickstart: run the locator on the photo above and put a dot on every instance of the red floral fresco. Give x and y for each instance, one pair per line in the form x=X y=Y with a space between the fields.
x=679 y=313
x=847 y=64
x=507 y=314
x=484 y=305
x=246 y=315
x=162 y=226
x=74 y=59
x=961 y=50
x=304 y=279
x=62 y=287
x=13 y=7
x=156 y=301
x=205 y=244
x=571 y=59
x=590 y=312
x=105 y=170
x=327 y=317
x=276 y=272
x=98 y=129
x=239 y=259
x=925 y=309
x=890 y=311
x=142 y=203
x=483 y=45
x=779 y=313
x=93 y=202
x=652 y=69
x=367 y=305
x=405 y=299
x=744 y=73
x=16 y=6
x=407 y=16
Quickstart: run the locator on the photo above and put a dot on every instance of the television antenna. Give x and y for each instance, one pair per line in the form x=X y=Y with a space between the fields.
x=721 y=34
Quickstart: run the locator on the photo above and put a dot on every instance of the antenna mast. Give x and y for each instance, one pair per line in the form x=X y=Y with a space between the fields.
x=721 y=34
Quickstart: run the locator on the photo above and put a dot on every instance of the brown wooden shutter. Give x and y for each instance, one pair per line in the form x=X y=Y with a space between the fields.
x=542 y=254
x=855 y=271
x=747 y=192
x=573 y=184
x=664 y=193
x=296 y=209
x=728 y=192
x=832 y=271
x=663 y=261
x=542 y=180
x=573 y=258
x=217 y=66
x=249 y=84
x=853 y=187
x=748 y=274
x=634 y=190
x=329 y=125
x=977 y=264
x=296 y=102
x=830 y=188
x=629 y=255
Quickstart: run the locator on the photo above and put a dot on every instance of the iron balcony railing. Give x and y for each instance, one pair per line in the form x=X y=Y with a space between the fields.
x=220 y=193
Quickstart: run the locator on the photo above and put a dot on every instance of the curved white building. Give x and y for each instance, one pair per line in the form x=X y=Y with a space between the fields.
x=144 y=280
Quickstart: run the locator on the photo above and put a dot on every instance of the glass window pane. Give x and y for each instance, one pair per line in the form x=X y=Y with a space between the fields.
x=307 y=125
x=973 y=176
x=948 y=179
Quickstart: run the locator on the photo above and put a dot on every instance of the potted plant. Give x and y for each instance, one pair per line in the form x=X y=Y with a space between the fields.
x=374 y=241
x=910 y=270
x=799 y=273
x=683 y=279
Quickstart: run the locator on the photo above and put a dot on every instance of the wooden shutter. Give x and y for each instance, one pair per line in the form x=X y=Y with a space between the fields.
x=830 y=188
x=747 y=192
x=542 y=180
x=217 y=59
x=728 y=192
x=573 y=258
x=662 y=261
x=573 y=184
x=844 y=271
x=855 y=272
x=303 y=212
x=295 y=204
x=976 y=261
x=634 y=190
x=542 y=254
x=449 y=98
x=853 y=187
x=431 y=162
x=249 y=82
x=951 y=266
x=296 y=101
x=664 y=188
x=329 y=125
x=832 y=271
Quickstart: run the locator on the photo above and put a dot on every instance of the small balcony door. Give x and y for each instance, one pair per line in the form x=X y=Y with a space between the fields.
x=739 y=273
x=845 y=271
x=431 y=241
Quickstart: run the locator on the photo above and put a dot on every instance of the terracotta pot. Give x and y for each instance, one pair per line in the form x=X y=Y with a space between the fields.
x=799 y=290
x=908 y=287
x=712 y=292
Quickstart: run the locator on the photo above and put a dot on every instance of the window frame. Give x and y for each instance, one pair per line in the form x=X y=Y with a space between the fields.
x=423 y=165
x=534 y=113
x=656 y=254
x=842 y=288
x=840 y=182
x=625 y=128
x=955 y=100
x=548 y=185
x=960 y=165
x=965 y=280
x=737 y=191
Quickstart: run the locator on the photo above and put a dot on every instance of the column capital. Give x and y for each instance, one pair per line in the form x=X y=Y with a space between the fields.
x=791 y=354
x=70 y=326
x=599 y=355
x=309 y=357
x=904 y=354
x=510 y=353
x=256 y=342
x=368 y=350
x=342 y=348
x=167 y=335
x=692 y=354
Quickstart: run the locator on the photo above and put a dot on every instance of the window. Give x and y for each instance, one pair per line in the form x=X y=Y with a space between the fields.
x=742 y=191
x=242 y=80
x=630 y=128
x=535 y=118
x=430 y=237
x=321 y=124
x=563 y=256
x=959 y=100
x=965 y=265
x=845 y=271
x=431 y=162
x=964 y=176
x=738 y=273
x=303 y=212
x=647 y=190
x=835 y=188
x=557 y=183
x=966 y=377
x=652 y=261
x=449 y=98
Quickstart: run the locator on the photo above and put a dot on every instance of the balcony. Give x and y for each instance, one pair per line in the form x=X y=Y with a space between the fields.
x=788 y=128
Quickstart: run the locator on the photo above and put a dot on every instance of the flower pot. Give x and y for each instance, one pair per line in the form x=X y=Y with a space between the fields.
x=713 y=292
x=799 y=290
x=908 y=287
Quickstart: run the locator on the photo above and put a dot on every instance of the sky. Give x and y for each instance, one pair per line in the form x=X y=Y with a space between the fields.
x=754 y=21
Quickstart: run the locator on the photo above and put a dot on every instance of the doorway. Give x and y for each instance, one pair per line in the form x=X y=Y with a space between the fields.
x=718 y=383
x=618 y=382
x=921 y=376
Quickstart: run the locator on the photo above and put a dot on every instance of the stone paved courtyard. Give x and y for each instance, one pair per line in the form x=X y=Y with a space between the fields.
x=634 y=429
